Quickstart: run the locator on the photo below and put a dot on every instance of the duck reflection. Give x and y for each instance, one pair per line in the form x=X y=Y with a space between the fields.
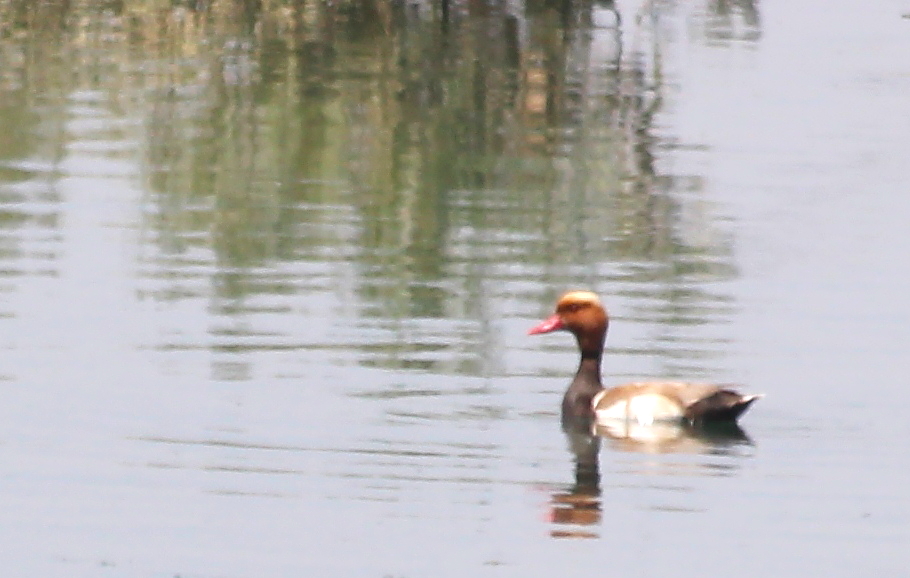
x=671 y=437
x=576 y=511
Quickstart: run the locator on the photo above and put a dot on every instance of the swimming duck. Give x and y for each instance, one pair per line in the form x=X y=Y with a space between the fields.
x=582 y=314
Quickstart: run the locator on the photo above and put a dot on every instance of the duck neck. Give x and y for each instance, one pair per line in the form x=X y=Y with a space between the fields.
x=577 y=400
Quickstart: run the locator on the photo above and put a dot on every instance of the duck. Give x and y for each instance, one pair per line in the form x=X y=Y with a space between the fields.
x=645 y=402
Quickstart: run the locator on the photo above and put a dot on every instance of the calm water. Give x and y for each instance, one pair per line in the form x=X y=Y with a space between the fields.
x=266 y=273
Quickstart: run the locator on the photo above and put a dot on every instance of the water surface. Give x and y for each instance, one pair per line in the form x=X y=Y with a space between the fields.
x=266 y=274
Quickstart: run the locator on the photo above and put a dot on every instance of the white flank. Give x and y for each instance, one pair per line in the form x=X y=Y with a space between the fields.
x=645 y=409
x=655 y=433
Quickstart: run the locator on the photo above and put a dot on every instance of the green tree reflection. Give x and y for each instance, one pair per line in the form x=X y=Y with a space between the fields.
x=431 y=147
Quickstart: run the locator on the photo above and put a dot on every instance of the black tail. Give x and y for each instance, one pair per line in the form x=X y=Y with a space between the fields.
x=722 y=405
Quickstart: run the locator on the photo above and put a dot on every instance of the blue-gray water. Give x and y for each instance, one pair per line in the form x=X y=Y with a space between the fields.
x=266 y=274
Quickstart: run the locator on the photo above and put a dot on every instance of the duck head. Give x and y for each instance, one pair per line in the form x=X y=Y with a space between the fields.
x=582 y=314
